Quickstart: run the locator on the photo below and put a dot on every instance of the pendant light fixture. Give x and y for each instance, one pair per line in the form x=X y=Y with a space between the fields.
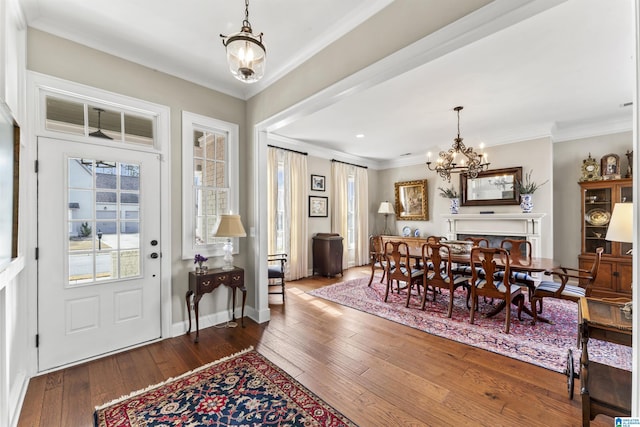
x=471 y=164
x=246 y=54
x=99 y=133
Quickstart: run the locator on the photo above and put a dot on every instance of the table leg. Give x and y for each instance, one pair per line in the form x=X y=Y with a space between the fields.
x=233 y=304
x=244 y=299
x=196 y=303
x=189 y=294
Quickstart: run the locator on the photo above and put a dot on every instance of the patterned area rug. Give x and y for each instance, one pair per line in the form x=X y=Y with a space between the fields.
x=244 y=389
x=544 y=344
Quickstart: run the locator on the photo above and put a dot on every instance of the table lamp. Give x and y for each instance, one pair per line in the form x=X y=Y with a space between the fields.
x=621 y=223
x=229 y=226
x=386 y=208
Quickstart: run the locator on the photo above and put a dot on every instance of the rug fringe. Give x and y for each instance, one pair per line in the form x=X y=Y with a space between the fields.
x=151 y=387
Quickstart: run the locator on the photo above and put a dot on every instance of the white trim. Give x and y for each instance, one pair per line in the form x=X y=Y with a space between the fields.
x=37 y=82
x=189 y=122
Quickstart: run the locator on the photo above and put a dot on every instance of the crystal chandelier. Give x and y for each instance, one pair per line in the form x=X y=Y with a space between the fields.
x=471 y=164
x=246 y=55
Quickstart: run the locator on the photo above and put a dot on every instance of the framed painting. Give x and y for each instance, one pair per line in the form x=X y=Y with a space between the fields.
x=411 y=200
x=318 y=206
x=317 y=183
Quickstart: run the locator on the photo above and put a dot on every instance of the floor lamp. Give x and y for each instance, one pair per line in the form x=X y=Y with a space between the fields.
x=386 y=208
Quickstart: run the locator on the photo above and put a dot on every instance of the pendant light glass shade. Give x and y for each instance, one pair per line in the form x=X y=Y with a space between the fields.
x=246 y=55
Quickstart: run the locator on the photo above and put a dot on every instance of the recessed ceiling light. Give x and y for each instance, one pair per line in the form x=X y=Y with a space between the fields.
x=360 y=135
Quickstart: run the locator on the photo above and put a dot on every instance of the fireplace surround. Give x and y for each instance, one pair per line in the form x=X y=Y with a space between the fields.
x=496 y=226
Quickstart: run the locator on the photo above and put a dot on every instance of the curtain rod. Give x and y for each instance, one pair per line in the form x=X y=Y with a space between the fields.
x=350 y=164
x=287 y=149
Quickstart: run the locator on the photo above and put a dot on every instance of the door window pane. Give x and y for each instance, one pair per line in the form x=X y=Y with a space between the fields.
x=103 y=226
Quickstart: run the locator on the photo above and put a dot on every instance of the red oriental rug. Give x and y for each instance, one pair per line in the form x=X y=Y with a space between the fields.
x=244 y=389
x=542 y=344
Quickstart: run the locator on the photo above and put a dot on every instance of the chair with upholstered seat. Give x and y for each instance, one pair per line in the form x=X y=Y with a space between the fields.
x=563 y=289
x=377 y=256
x=276 y=272
x=438 y=273
x=397 y=254
x=490 y=286
x=465 y=269
x=522 y=251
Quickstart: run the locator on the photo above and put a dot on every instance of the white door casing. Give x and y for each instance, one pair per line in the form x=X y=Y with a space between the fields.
x=101 y=292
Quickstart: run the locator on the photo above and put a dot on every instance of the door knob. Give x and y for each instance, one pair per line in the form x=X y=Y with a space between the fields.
x=154 y=255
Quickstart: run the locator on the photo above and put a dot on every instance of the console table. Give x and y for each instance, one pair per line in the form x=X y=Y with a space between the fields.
x=200 y=284
x=604 y=389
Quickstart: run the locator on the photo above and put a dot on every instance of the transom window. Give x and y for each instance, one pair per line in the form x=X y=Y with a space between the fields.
x=79 y=117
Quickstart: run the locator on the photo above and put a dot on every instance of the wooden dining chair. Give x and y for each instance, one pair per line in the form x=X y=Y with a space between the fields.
x=465 y=269
x=564 y=290
x=522 y=250
x=489 y=285
x=438 y=273
x=377 y=256
x=397 y=254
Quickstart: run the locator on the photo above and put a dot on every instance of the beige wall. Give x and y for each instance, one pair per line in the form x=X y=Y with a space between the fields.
x=61 y=58
x=502 y=156
x=568 y=156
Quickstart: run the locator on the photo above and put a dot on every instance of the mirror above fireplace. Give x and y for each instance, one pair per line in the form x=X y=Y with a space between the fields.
x=492 y=187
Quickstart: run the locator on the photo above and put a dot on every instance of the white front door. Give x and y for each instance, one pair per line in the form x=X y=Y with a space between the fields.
x=99 y=250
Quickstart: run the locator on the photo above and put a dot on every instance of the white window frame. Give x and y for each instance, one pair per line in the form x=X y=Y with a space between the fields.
x=190 y=123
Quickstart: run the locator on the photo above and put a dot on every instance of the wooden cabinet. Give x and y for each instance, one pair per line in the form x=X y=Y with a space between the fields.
x=327 y=254
x=604 y=389
x=598 y=199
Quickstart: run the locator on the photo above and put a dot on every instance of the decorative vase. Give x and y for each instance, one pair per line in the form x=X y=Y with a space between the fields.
x=201 y=269
x=454 y=204
x=526 y=203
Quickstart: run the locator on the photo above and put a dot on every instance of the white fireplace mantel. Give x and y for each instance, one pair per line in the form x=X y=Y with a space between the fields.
x=528 y=226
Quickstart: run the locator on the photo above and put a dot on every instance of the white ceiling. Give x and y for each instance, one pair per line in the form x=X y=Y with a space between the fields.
x=564 y=72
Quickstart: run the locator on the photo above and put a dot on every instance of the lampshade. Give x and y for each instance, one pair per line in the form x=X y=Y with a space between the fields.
x=229 y=226
x=621 y=223
x=386 y=208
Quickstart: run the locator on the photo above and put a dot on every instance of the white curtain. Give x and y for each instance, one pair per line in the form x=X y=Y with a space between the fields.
x=340 y=173
x=362 y=216
x=294 y=206
x=296 y=224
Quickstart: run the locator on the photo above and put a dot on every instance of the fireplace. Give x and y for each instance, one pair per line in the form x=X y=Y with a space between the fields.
x=496 y=227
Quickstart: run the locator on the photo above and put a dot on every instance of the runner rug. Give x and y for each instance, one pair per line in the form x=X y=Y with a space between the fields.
x=542 y=344
x=244 y=389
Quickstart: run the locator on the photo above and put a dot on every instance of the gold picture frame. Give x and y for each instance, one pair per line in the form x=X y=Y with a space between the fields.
x=411 y=201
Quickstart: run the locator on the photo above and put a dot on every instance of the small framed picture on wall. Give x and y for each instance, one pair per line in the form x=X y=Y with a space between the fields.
x=318 y=206
x=317 y=183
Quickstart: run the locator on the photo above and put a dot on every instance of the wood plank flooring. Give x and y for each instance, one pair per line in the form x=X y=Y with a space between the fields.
x=376 y=372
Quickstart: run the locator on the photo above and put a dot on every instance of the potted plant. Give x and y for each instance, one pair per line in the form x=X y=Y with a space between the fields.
x=454 y=200
x=199 y=259
x=526 y=188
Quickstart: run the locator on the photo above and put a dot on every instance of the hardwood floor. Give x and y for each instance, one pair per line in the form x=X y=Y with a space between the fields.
x=376 y=372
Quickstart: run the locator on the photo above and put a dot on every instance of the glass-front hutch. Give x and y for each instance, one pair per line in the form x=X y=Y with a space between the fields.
x=598 y=199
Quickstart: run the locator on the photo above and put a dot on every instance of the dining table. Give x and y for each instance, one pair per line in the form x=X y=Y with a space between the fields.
x=461 y=254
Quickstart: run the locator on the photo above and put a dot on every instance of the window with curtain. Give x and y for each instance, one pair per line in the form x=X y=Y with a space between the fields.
x=350 y=211
x=287 y=210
